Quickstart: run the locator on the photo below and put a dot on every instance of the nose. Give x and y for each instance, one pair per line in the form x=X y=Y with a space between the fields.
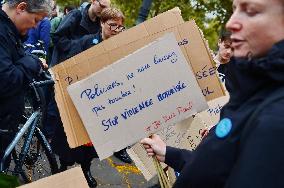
x=234 y=23
x=229 y=51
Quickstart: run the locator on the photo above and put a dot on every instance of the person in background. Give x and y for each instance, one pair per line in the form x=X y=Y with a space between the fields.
x=111 y=23
x=224 y=54
x=17 y=68
x=245 y=149
x=55 y=21
x=67 y=9
x=40 y=33
x=77 y=30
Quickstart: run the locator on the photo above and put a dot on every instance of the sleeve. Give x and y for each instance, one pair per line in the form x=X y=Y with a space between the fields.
x=14 y=74
x=44 y=34
x=63 y=39
x=31 y=39
x=177 y=158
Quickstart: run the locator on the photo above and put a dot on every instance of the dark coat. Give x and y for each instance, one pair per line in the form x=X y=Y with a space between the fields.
x=75 y=34
x=259 y=160
x=16 y=69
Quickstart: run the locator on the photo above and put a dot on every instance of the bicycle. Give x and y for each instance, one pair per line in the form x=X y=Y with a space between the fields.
x=31 y=152
x=32 y=156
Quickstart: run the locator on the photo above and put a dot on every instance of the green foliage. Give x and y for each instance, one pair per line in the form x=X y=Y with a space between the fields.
x=210 y=15
x=130 y=9
x=63 y=3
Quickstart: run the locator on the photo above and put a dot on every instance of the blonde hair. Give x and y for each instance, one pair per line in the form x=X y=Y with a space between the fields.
x=111 y=14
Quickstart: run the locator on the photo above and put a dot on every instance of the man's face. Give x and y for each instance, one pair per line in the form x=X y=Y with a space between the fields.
x=25 y=20
x=111 y=28
x=255 y=26
x=225 y=50
x=99 y=6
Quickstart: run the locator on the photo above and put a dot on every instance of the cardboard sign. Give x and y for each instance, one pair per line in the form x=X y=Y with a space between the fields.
x=193 y=135
x=92 y=60
x=185 y=135
x=180 y=136
x=72 y=178
x=211 y=116
x=137 y=96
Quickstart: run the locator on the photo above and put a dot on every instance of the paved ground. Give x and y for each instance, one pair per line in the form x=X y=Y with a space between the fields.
x=112 y=173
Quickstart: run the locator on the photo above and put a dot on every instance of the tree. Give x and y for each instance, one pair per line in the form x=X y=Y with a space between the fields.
x=63 y=3
x=210 y=15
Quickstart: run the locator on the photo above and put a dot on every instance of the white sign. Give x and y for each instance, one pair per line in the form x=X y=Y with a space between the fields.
x=136 y=96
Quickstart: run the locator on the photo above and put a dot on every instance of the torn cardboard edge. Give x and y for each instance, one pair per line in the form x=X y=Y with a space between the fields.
x=76 y=133
x=72 y=178
x=173 y=18
x=148 y=27
x=123 y=127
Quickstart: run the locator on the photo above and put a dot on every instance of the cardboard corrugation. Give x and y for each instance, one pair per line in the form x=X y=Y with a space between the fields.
x=72 y=178
x=114 y=49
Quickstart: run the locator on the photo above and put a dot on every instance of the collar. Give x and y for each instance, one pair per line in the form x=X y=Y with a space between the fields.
x=251 y=76
x=12 y=28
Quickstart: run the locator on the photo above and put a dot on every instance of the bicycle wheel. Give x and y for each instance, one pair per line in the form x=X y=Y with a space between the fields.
x=38 y=162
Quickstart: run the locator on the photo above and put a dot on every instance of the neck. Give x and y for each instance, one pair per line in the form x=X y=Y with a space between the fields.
x=91 y=14
x=103 y=36
x=8 y=11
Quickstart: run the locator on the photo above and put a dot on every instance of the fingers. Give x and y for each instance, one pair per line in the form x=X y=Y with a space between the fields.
x=147 y=141
x=146 y=146
x=150 y=150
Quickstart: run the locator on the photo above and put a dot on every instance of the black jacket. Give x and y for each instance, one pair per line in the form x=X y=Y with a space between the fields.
x=75 y=34
x=16 y=69
x=259 y=160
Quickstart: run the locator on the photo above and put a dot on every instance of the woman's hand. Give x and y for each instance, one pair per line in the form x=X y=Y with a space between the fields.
x=155 y=146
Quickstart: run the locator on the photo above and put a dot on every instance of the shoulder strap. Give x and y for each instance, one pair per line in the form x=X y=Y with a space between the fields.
x=275 y=96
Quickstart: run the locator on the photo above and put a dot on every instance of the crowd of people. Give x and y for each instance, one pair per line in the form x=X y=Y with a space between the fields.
x=243 y=150
x=63 y=37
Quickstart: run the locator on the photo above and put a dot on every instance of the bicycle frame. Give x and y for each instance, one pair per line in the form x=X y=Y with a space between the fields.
x=31 y=123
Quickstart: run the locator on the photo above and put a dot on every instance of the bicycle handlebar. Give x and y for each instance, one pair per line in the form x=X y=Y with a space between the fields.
x=47 y=80
x=43 y=83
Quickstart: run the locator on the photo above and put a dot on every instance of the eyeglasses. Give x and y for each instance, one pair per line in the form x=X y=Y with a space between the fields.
x=115 y=27
x=101 y=5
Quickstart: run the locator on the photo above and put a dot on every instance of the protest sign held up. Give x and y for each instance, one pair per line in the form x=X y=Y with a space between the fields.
x=92 y=60
x=137 y=96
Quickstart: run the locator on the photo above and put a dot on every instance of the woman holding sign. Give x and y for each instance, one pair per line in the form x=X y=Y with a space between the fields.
x=245 y=149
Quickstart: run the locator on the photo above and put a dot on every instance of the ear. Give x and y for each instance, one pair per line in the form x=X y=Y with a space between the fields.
x=21 y=7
